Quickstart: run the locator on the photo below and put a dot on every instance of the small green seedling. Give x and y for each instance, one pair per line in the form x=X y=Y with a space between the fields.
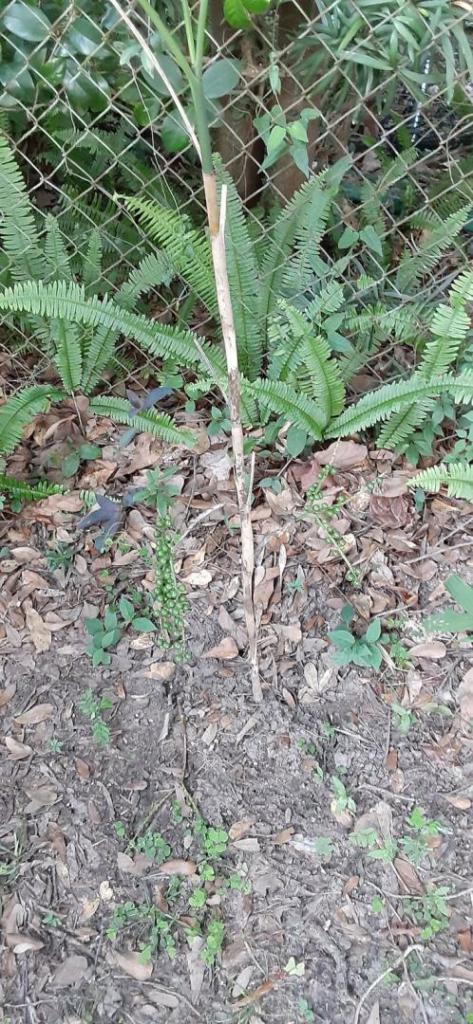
x=158 y=926
x=323 y=514
x=323 y=847
x=377 y=905
x=351 y=649
x=450 y=621
x=214 y=840
x=92 y=708
x=104 y=633
x=213 y=942
x=306 y=1014
x=138 y=622
x=403 y=718
x=416 y=847
x=198 y=899
x=342 y=801
x=60 y=557
x=431 y=911
x=152 y=845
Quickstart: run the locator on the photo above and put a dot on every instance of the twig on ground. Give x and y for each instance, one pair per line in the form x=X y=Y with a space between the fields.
x=377 y=981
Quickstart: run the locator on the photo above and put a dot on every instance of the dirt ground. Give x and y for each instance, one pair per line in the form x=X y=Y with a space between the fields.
x=317 y=925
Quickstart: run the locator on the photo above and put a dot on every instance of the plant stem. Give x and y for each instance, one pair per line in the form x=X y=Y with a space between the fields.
x=189 y=31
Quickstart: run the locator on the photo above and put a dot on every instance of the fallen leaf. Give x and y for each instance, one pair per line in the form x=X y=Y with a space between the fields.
x=195 y=966
x=408 y=876
x=218 y=462
x=7 y=694
x=432 y=649
x=106 y=891
x=374 y=1017
x=199 y=578
x=39 y=632
x=70 y=973
x=462 y=803
x=25 y=554
x=33 y=716
x=465 y=695
x=161 y=670
x=131 y=964
x=225 y=650
x=82 y=768
x=340 y=455
x=23 y=943
x=284 y=836
x=240 y=828
x=464 y=940
x=17 y=750
x=89 y=908
x=178 y=867
x=250 y=845
x=40 y=796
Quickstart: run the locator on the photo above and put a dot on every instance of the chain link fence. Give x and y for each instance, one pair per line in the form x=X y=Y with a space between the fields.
x=89 y=121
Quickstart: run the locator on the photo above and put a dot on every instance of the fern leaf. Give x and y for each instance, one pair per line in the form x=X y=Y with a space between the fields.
x=98 y=357
x=68 y=301
x=21 y=490
x=55 y=252
x=321 y=373
x=457 y=477
x=153 y=270
x=186 y=247
x=159 y=424
x=244 y=284
x=303 y=219
x=68 y=353
x=92 y=262
x=17 y=223
x=282 y=400
x=379 y=404
x=401 y=425
x=19 y=410
x=430 y=249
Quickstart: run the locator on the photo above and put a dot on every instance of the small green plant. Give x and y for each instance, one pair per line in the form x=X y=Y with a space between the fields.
x=403 y=718
x=238 y=882
x=141 y=623
x=305 y=1012
x=351 y=649
x=323 y=847
x=55 y=746
x=366 y=838
x=152 y=845
x=157 y=925
x=169 y=596
x=51 y=920
x=198 y=899
x=341 y=800
x=214 y=840
x=119 y=829
x=416 y=847
x=323 y=515
x=105 y=633
x=213 y=942
x=60 y=557
x=92 y=708
x=430 y=910
x=377 y=904
x=450 y=621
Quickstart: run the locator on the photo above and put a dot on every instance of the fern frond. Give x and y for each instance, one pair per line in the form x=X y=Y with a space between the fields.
x=430 y=249
x=321 y=374
x=283 y=400
x=391 y=398
x=68 y=301
x=186 y=247
x=98 y=356
x=244 y=284
x=55 y=252
x=92 y=261
x=457 y=477
x=153 y=270
x=68 y=353
x=19 y=410
x=17 y=223
x=401 y=425
x=21 y=490
x=159 y=424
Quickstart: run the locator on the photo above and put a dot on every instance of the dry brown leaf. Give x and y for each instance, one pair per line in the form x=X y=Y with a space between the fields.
x=39 y=632
x=178 y=867
x=218 y=462
x=465 y=695
x=432 y=649
x=424 y=570
x=462 y=803
x=340 y=455
x=89 y=908
x=23 y=943
x=225 y=650
x=464 y=939
x=250 y=845
x=408 y=876
x=70 y=973
x=40 y=796
x=161 y=670
x=39 y=713
x=240 y=828
x=82 y=768
x=7 y=694
x=195 y=966
x=16 y=749
x=284 y=836
x=24 y=554
x=199 y=578
x=374 y=1017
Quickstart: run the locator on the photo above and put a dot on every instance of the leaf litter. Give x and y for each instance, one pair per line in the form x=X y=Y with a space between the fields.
x=265 y=780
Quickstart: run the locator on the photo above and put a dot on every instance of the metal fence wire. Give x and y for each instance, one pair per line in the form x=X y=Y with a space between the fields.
x=89 y=121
